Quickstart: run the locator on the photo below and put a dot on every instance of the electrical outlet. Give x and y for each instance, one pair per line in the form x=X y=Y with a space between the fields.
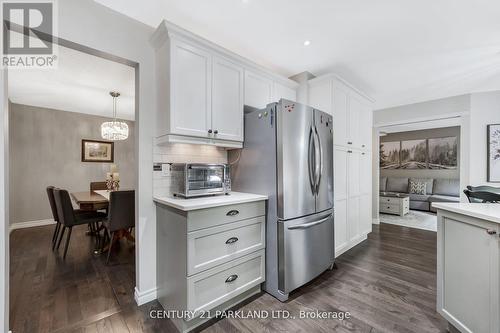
x=165 y=170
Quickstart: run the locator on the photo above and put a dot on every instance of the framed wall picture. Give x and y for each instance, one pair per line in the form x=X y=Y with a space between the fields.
x=494 y=153
x=389 y=154
x=98 y=151
x=413 y=154
x=443 y=153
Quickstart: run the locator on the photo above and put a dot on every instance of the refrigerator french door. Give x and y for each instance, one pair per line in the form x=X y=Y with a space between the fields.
x=288 y=156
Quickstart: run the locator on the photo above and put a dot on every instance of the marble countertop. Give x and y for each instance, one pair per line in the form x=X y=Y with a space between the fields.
x=485 y=211
x=209 y=201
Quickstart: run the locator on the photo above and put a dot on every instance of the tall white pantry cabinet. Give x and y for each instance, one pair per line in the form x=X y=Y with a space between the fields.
x=352 y=125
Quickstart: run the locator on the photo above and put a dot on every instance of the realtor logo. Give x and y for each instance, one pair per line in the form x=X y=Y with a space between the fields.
x=28 y=32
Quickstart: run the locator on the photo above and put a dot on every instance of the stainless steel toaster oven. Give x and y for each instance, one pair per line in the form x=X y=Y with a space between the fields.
x=194 y=179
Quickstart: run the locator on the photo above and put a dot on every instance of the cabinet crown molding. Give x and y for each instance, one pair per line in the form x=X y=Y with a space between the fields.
x=334 y=76
x=167 y=30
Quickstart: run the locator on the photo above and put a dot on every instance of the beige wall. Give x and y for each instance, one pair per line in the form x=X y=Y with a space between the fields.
x=45 y=149
x=423 y=134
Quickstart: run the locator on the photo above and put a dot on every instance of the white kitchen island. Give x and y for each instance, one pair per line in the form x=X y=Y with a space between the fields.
x=468 y=266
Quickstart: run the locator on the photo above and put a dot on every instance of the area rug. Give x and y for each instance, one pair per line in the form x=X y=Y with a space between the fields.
x=414 y=219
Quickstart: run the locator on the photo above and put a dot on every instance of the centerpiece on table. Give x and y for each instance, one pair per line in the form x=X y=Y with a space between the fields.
x=113 y=179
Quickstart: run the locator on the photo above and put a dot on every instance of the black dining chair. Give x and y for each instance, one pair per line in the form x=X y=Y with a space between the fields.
x=482 y=196
x=52 y=202
x=121 y=215
x=69 y=217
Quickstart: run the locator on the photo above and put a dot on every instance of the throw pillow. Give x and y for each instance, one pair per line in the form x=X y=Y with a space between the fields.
x=418 y=187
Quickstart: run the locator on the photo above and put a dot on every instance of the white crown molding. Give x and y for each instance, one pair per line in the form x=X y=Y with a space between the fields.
x=168 y=30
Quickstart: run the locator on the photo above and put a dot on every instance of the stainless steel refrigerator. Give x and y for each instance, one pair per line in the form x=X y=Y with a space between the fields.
x=288 y=155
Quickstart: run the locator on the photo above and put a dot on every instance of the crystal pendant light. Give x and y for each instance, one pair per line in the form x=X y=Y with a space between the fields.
x=114 y=130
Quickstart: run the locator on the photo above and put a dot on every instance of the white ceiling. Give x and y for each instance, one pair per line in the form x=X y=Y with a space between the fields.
x=397 y=51
x=81 y=83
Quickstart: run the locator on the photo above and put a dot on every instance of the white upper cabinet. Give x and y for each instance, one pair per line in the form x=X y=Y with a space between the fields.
x=340 y=113
x=191 y=90
x=227 y=100
x=281 y=91
x=352 y=118
x=202 y=89
x=258 y=90
x=320 y=96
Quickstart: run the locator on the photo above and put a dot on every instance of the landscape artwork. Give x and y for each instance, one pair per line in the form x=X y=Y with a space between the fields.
x=413 y=154
x=494 y=153
x=97 y=151
x=443 y=153
x=389 y=155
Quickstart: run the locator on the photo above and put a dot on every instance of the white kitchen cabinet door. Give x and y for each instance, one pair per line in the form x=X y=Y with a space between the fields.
x=340 y=114
x=468 y=273
x=366 y=126
x=320 y=97
x=227 y=100
x=258 y=90
x=340 y=158
x=365 y=173
x=353 y=218
x=281 y=91
x=341 y=226
x=365 y=214
x=355 y=113
x=353 y=181
x=191 y=84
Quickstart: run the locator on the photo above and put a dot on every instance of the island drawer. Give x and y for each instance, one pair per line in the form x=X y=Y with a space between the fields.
x=213 y=246
x=213 y=287
x=210 y=217
x=389 y=208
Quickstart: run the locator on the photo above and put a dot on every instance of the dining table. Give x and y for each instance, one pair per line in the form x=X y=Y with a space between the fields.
x=98 y=200
x=91 y=200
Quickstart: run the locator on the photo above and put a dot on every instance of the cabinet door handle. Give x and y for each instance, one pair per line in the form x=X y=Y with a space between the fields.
x=349 y=142
x=349 y=151
x=231 y=278
x=491 y=232
x=232 y=212
x=232 y=240
x=363 y=146
x=216 y=132
x=210 y=131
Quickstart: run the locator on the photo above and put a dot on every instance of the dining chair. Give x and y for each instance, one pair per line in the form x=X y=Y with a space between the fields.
x=482 y=196
x=53 y=208
x=69 y=217
x=121 y=215
x=97 y=186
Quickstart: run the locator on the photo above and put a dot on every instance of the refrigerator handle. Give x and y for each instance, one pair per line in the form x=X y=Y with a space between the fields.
x=311 y=160
x=318 y=163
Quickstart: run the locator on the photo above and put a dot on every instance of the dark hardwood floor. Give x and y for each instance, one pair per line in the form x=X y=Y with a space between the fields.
x=387 y=283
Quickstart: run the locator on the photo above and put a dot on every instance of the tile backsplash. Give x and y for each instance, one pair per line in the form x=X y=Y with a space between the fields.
x=181 y=153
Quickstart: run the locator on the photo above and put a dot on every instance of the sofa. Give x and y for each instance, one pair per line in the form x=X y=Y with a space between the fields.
x=437 y=190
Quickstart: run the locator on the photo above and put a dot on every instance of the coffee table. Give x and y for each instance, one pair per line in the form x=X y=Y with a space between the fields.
x=394 y=203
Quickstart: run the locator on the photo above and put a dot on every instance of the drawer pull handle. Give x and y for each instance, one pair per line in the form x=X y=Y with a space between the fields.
x=349 y=142
x=232 y=240
x=232 y=212
x=231 y=278
x=491 y=232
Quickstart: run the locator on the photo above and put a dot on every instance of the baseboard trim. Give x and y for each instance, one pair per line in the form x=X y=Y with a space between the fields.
x=30 y=224
x=376 y=220
x=144 y=297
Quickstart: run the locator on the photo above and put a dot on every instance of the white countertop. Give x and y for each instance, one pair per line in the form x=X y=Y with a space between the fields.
x=209 y=202
x=485 y=211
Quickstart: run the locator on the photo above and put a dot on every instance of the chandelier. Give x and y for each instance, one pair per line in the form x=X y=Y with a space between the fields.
x=114 y=130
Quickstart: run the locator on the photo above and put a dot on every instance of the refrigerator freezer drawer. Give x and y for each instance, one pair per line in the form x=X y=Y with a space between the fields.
x=305 y=250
